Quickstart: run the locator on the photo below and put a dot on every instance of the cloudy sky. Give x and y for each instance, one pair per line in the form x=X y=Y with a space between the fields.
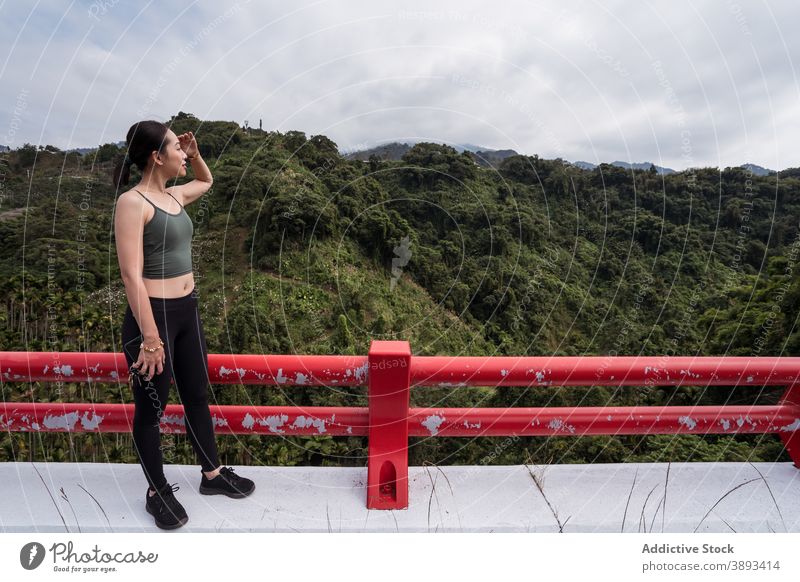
x=676 y=83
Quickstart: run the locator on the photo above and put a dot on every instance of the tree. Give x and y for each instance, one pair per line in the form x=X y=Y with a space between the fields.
x=107 y=152
x=434 y=164
x=26 y=155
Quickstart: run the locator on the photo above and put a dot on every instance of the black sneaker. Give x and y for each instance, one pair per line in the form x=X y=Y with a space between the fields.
x=226 y=483
x=167 y=511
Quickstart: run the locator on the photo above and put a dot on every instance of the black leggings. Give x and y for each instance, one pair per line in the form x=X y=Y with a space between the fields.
x=186 y=360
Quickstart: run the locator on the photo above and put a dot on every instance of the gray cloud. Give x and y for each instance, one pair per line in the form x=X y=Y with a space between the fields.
x=578 y=80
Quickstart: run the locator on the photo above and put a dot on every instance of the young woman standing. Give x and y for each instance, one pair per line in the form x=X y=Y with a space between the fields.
x=162 y=335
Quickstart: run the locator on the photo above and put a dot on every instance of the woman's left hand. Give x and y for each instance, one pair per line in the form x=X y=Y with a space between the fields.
x=188 y=144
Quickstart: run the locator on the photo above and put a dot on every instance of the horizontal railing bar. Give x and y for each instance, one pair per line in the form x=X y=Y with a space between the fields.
x=227 y=419
x=314 y=370
x=603 y=420
x=604 y=370
x=422 y=422
x=277 y=369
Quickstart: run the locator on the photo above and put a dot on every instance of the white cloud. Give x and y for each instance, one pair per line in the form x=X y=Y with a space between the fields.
x=572 y=79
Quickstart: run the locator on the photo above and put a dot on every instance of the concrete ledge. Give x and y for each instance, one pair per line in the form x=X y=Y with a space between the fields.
x=585 y=498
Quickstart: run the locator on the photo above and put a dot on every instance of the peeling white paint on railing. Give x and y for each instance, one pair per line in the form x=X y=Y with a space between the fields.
x=433 y=422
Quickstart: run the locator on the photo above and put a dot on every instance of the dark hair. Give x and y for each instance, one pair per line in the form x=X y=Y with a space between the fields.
x=143 y=138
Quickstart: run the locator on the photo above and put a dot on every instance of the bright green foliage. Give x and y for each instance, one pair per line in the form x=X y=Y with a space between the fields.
x=299 y=250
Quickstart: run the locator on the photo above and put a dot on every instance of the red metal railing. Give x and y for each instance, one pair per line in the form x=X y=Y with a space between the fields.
x=390 y=371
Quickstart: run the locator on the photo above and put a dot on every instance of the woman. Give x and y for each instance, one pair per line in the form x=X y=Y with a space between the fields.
x=162 y=334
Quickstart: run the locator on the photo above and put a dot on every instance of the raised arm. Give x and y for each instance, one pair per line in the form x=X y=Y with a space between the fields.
x=191 y=191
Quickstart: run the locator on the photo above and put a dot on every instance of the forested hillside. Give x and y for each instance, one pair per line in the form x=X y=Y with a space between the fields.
x=299 y=250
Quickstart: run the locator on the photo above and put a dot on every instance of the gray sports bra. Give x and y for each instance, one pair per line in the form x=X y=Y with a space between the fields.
x=167 y=243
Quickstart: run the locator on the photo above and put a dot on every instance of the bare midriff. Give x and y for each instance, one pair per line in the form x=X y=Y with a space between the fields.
x=179 y=286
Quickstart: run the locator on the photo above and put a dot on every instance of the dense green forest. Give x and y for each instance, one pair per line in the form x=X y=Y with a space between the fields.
x=293 y=253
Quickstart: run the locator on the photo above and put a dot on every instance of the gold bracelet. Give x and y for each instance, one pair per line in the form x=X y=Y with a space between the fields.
x=193 y=158
x=152 y=349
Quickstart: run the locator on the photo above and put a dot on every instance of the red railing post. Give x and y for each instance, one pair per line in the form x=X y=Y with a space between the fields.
x=791 y=439
x=389 y=387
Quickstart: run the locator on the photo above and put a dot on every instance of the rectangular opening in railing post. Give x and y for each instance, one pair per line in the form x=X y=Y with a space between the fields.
x=389 y=387
x=791 y=439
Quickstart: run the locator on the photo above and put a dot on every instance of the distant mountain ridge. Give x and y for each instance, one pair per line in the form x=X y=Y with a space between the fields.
x=84 y=151
x=81 y=151
x=394 y=151
x=628 y=166
x=757 y=170
x=487 y=157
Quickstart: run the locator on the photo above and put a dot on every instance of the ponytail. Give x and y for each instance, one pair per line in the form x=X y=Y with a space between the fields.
x=143 y=138
x=122 y=172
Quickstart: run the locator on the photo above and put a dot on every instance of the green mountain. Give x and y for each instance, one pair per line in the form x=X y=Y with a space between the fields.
x=300 y=250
